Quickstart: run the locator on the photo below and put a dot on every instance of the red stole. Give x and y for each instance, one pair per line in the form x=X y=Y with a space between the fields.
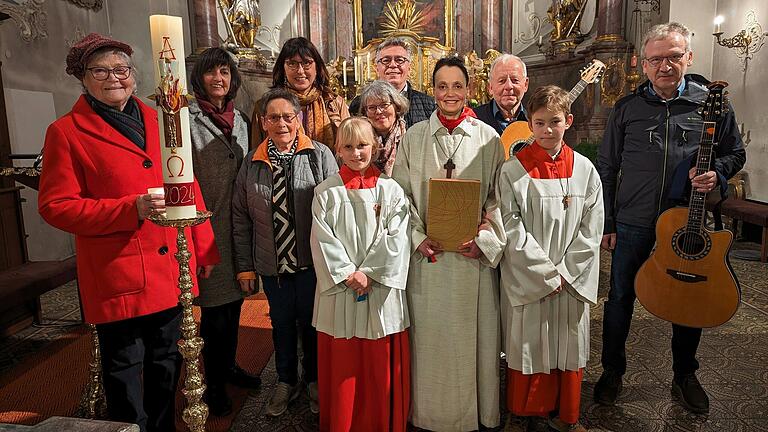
x=540 y=165
x=451 y=124
x=354 y=180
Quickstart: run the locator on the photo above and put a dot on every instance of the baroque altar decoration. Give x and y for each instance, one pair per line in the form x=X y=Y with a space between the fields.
x=565 y=17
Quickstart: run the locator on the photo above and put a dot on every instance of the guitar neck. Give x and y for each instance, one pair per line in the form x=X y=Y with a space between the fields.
x=697 y=203
x=576 y=90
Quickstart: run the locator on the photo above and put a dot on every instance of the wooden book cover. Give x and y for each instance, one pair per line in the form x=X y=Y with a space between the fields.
x=453 y=211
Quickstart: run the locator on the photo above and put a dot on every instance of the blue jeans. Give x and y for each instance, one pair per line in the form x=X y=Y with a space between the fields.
x=291 y=298
x=633 y=247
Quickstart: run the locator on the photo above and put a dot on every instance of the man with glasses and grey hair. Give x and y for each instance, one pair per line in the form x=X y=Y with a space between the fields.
x=645 y=165
x=507 y=84
x=393 y=64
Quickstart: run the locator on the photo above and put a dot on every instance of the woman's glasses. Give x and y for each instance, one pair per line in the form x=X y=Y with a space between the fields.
x=102 y=73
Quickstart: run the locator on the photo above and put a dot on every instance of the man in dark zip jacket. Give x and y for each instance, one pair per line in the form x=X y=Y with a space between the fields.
x=651 y=134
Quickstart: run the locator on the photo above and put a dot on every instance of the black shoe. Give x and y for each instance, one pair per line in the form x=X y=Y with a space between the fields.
x=239 y=377
x=688 y=391
x=219 y=403
x=608 y=388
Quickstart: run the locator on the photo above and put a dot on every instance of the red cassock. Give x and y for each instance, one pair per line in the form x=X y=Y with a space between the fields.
x=91 y=177
x=364 y=384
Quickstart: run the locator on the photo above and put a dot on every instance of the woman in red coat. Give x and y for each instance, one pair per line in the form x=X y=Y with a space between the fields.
x=100 y=158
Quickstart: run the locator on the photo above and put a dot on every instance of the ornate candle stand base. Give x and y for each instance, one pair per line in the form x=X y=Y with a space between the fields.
x=93 y=402
x=190 y=345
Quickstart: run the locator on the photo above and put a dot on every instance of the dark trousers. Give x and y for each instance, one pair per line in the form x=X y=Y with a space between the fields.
x=141 y=366
x=291 y=298
x=218 y=328
x=633 y=247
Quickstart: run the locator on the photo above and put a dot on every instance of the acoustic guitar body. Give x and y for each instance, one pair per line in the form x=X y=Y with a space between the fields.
x=516 y=134
x=688 y=280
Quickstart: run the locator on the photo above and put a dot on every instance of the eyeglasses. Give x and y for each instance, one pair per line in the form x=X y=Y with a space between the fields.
x=294 y=65
x=373 y=109
x=673 y=59
x=386 y=61
x=102 y=73
x=275 y=118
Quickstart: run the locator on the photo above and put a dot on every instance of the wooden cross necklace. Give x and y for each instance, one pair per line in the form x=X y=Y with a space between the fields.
x=449 y=165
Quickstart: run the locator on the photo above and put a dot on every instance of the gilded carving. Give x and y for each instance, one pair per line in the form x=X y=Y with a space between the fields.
x=613 y=82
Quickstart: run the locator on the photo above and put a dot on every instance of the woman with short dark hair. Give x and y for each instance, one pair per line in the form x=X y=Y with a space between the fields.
x=220 y=140
x=271 y=216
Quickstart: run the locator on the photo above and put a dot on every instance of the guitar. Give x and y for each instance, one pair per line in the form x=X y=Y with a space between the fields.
x=688 y=280
x=518 y=135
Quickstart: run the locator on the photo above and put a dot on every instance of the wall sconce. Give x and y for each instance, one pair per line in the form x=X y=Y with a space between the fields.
x=746 y=42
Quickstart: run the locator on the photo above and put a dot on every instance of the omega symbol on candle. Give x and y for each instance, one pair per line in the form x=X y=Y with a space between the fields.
x=171 y=163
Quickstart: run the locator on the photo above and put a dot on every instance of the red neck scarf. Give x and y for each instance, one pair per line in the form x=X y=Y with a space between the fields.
x=353 y=179
x=451 y=124
x=223 y=118
x=540 y=165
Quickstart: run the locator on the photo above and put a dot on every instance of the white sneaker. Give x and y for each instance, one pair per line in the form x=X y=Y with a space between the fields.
x=314 y=406
x=284 y=393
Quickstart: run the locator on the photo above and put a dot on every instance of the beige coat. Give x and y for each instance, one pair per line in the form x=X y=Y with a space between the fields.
x=454 y=303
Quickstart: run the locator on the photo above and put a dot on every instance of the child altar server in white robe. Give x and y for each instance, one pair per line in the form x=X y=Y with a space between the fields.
x=552 y=208
x=361 y=247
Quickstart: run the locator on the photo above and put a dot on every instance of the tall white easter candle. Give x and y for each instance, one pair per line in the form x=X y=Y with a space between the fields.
x=167 y=36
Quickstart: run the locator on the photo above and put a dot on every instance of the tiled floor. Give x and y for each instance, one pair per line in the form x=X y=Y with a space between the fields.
x=733 y=357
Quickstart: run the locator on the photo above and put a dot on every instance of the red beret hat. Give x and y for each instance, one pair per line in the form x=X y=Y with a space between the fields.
x=79 y=53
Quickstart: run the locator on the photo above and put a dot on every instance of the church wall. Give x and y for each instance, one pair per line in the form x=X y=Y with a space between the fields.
x=748 y=90
x=37 y=90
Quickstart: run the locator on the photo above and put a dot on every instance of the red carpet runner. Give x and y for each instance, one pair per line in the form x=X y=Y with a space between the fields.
x=50 y=382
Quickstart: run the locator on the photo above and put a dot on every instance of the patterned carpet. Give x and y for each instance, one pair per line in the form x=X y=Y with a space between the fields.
x=733 y=368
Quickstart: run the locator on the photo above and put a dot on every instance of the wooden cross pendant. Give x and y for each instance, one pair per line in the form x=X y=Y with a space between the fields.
x=566 y=201
x=449 y=166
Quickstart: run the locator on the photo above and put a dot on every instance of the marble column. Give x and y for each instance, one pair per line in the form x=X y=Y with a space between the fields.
x=489 y=14
x=609 y=19
x=206 y=24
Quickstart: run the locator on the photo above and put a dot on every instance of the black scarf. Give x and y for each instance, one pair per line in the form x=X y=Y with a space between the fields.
x=128 y=121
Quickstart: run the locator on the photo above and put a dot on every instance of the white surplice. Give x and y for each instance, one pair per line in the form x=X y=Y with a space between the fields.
x=544 y=242
x=454 y=304
x=347 y=236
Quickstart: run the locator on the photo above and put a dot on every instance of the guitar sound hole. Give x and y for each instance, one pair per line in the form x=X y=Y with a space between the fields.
x=691 y=244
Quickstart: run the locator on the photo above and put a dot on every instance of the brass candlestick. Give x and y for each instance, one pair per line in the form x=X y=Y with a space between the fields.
x=93 y=402
x=191 y=344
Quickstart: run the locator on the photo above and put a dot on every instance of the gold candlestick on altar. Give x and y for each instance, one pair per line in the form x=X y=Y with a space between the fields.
x=191 y=344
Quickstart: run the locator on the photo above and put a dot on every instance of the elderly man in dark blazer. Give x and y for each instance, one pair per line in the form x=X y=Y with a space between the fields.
x=393 y=64
x=507 y=85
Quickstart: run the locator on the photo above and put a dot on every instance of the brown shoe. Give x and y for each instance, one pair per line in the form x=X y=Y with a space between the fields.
x=560 y=426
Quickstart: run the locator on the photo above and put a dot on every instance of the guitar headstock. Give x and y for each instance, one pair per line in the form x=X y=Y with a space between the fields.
x=592 y=72
x=717 y=102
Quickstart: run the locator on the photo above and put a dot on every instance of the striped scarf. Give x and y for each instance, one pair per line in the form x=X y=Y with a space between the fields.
x=282 y=219
x=128 y=121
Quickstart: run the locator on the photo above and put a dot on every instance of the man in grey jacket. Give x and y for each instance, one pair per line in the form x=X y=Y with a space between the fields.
x=651 y=135
x=272 y=218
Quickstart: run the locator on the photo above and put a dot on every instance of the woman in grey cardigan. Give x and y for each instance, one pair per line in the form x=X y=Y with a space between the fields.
x=220 y=136
x=272 y=217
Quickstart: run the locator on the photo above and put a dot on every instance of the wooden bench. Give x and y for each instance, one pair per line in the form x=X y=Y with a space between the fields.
x=22 y=286
x=751 y=212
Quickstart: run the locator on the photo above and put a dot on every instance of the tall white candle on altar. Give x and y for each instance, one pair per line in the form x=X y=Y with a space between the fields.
x=344 y=72
x=167 y=36
x=357 y=73
x=368 y=66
